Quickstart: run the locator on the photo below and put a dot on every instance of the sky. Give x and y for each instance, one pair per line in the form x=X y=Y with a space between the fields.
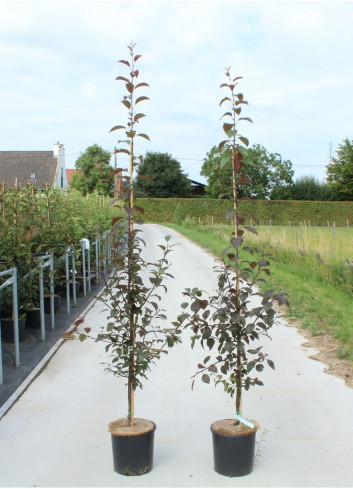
x=59 y=63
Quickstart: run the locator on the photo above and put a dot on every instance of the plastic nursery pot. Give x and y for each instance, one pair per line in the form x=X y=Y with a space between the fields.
x=7 y=333
x=233 y=453
x=47 y=303
x=132 y=446
x=33 y=319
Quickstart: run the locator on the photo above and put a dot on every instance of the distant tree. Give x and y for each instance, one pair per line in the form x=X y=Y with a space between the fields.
x=266 y=171
x=305 y=188
x=94 y=172
x=340 y=171
x=160 y=175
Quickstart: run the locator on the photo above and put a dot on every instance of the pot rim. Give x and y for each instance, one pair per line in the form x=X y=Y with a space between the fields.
x=240 y=435
x=134 y=435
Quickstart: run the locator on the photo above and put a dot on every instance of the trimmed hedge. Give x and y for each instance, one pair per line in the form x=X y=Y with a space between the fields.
x=281 y=212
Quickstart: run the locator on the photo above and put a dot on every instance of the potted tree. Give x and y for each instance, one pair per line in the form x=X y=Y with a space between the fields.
x=230 y=321
x=135 y=336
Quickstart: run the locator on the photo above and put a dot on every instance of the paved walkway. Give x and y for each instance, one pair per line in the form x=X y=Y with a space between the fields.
x=55 y=435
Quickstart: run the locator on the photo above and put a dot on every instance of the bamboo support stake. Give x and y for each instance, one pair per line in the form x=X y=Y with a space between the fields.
x=238 y=402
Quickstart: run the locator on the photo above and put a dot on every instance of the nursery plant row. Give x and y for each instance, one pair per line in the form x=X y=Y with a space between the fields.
x=34 y=223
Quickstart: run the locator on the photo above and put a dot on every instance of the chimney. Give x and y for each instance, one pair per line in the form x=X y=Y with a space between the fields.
x=58 y=149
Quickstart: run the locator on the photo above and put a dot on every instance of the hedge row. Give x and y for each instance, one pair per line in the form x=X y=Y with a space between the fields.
x=282 y=212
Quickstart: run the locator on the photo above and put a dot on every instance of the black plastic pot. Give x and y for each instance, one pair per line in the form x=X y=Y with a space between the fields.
x=33 y=319
x=233 y=454
x=7 y=333
x=47 y=303
x=133 y=455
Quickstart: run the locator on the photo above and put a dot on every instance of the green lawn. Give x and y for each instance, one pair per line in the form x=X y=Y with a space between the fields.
x=321 y=305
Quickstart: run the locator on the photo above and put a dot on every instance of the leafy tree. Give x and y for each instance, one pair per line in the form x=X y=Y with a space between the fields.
x=95 y=172
x=340 y=171
x=160 y=175
x=228 y=321
x=265 y=171
x=305 y=188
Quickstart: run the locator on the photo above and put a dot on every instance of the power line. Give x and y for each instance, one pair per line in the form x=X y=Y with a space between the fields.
x=144 y=154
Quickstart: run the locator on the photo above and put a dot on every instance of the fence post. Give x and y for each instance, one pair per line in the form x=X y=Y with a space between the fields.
x=1 y=375
x=15 y=317
x=12 y=281
x=89 y=267
x=51 y=281
x=97 y=259
x=83 y=267
x=73 y=259
x=300 y=232
x=67 y=273
x=41 y=302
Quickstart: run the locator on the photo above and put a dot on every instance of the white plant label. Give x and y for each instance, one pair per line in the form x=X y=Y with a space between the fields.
x=245 y=421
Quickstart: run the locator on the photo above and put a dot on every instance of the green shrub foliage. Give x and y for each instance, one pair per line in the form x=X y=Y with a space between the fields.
x=275 y=211
x=47 y=221
x=160 y=175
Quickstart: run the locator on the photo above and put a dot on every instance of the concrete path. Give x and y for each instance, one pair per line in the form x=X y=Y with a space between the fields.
x=56 y=434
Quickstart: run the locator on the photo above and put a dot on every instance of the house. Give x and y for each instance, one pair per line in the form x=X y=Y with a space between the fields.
x=118 y=181
x=69 y=174
x=39 y=168
x=197 y=188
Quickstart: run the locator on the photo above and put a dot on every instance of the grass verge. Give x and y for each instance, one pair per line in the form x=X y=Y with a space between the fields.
x=320 y=307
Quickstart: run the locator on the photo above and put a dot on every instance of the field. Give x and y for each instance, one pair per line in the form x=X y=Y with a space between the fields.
x=326 y=252
x=315 y=266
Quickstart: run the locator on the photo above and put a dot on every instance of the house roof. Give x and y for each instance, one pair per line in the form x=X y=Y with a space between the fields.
x=70 y=173
x=35 y=167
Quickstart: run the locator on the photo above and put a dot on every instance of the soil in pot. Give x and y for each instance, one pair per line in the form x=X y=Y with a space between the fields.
x=47 y=303
x=7 y=333
x=33 y=319
x=132 y=446
x=233 y=447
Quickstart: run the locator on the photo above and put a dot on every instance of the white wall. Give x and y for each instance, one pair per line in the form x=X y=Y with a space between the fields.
x=61 y=179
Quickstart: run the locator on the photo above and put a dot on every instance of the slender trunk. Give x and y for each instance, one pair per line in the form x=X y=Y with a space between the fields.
x=238 y=393
x=131 y=393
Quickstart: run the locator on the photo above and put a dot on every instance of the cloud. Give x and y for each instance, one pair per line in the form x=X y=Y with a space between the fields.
x=60 y=60
x=90 y=89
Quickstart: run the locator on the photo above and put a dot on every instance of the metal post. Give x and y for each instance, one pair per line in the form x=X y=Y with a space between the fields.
x=67 y=273
x=84 y=267
x=1 y=375
x=97 y=260
x=41 y=302
x=73 y=276
x=105 y=252
x=12 y=281
x=51 y=279
x=15 y=317
x=89 y=268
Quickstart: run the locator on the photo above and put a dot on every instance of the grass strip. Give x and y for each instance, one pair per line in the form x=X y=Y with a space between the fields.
x=320 y=307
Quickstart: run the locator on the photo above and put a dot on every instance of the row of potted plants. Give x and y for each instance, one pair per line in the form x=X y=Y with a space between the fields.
x=48 y=221
x=228 y=322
